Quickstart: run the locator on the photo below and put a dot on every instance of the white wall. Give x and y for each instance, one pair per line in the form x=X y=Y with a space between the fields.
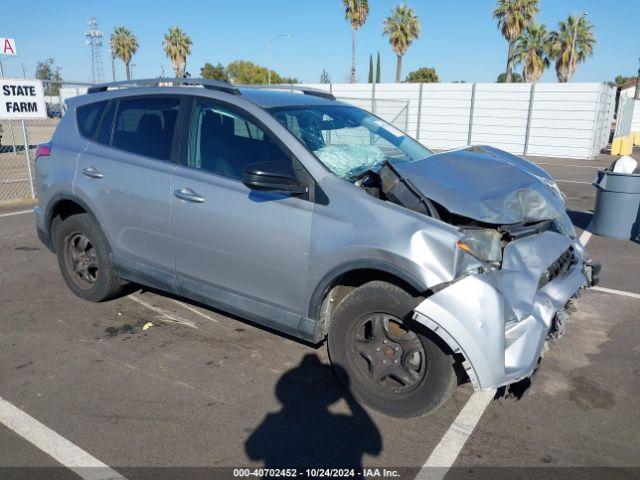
x=628 y=119
x=564 y=120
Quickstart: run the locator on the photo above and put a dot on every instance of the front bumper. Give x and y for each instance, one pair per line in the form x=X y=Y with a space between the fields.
x=500 y=320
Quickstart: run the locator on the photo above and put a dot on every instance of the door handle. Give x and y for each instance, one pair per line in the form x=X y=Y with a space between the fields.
x=188 y=195
x=92 y=172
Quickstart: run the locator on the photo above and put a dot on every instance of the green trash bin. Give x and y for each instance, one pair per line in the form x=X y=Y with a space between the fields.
x=617 y=209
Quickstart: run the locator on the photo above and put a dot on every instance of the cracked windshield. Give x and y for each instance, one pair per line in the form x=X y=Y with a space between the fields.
x=349 y=141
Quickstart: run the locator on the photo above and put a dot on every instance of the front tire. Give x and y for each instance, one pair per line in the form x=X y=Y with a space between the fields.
x=382 y=358
x=83 y=257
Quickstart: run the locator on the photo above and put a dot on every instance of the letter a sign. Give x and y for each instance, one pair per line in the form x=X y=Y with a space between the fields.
x=7 y=46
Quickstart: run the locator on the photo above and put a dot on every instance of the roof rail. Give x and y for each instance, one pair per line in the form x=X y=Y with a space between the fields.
x=209 y=84
x=283 y=86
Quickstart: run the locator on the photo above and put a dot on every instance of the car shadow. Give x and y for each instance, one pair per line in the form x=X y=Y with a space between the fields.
x=304 y=433
x=580 y=219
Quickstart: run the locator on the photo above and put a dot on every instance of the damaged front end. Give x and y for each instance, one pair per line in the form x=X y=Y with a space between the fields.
x=511 y=217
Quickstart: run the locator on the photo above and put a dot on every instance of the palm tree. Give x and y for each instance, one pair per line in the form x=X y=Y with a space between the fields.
x=355 y=11
x=563 y=41
x=513 y=17
x=124 y=45
x=402 y=27
x=532 y=50
x=177 y=46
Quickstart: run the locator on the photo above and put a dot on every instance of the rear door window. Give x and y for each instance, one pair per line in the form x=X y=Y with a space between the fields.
x=88 y=117
x=145 y=126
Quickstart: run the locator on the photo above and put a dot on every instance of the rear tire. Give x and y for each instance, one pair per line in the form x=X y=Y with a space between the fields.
x=383 y=357
x=83 y=257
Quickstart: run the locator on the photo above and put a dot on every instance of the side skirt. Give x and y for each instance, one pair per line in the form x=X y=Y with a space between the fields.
x=264 y=314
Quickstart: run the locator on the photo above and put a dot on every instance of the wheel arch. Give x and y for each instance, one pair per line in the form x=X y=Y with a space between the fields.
x=342 y=279
x=64 y=205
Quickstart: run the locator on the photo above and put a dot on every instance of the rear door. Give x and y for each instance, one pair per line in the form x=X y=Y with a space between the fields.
x=127 y=172
x=242 y=250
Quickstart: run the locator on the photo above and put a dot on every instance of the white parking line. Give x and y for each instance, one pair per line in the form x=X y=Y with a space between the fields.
x=617 y=292
x=454 y=439
x=572 y=181
x=11 y=214
x=53 y=444
x=586 y=236
x=194 y=310
x=566 y=165
x=161 y=311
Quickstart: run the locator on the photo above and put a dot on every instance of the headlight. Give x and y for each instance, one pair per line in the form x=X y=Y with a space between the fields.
x=483 y=243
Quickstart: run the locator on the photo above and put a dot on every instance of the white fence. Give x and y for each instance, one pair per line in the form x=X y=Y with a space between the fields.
x=546 y=119
x=628 y=116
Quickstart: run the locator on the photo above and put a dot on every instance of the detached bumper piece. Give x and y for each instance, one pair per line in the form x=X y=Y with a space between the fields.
x=592 y=270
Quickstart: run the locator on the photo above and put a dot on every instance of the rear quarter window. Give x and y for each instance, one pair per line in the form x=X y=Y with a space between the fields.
x=88 y=117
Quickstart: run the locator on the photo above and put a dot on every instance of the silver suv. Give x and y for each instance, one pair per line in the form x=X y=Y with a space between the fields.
x=320 y=220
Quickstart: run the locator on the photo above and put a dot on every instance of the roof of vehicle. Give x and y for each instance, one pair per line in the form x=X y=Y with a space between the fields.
x=268 y=98
x=265 y=96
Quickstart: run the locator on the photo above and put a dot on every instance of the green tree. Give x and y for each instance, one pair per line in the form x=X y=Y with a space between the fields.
x=177 y=47
x=423 y=75
x=124 y=45
x=513 y=17
x=515 y=78
x=532 y=50
x=562 y=41
x=620 y=80
x=370 y=68
x=402 y=27
x=324 y=76
x=214 y=72
x=47 y=71
x=245 y=72
x=355 y=11
x=378 y=69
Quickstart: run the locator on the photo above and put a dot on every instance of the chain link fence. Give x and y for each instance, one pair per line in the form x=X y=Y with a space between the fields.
x=19 y=138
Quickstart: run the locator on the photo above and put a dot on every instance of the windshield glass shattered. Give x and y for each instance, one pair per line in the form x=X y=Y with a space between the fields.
x=348 y=140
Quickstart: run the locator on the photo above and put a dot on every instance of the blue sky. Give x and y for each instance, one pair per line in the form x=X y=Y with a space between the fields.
x=459 y=37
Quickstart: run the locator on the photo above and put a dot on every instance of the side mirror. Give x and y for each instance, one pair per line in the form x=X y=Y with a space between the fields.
x=272 y=176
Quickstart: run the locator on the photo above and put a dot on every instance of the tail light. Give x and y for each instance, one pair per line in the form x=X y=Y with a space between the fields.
x=43 y=150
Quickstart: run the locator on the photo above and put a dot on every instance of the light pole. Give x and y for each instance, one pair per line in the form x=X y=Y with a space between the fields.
x=269 y=54
x=131 y=65
x=573 y=43
x=636 y=96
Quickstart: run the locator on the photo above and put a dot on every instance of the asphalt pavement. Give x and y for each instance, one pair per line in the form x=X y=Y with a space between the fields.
x=205 y=390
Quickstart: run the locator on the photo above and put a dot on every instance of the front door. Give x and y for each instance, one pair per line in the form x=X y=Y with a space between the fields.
x=242 y=250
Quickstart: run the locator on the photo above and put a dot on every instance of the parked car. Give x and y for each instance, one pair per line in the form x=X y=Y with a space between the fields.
x=54 y=110
x=319 y=220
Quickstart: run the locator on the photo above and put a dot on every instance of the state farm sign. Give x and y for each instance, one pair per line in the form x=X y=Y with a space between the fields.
x=21 y=99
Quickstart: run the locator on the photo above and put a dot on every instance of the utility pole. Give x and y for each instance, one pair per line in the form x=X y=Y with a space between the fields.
x=94 y=41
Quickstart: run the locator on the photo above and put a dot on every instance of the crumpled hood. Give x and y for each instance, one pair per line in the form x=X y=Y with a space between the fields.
x=486 y=184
